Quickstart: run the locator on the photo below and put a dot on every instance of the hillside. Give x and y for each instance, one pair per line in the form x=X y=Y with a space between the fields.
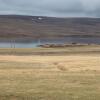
x=14 y=26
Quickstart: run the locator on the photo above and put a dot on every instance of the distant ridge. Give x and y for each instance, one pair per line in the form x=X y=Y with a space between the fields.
x=18 y=26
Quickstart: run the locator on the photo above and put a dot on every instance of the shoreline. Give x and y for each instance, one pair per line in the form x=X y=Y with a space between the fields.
x=70 y=50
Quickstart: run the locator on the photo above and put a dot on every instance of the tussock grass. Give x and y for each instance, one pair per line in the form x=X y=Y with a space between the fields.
x=61 y=77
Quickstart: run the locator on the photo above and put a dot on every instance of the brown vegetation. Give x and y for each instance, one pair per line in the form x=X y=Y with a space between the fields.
x=32 y=27
x=62 y=45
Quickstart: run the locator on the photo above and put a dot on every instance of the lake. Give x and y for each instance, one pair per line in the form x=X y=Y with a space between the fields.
x=31 y=43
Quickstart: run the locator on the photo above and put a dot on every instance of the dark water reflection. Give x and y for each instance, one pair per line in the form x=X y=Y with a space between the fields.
x=30 y=43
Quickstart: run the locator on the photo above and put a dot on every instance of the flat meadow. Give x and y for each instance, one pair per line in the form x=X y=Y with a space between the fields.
x=71 y=73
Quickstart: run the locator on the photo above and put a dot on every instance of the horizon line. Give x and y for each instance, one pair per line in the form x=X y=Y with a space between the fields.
x=48 y=16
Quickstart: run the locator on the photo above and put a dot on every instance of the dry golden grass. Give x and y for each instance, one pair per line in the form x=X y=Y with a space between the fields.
x=61 y=77
x=71 y=63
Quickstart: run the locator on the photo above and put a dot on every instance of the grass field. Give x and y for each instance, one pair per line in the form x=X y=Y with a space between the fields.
x=71 y=73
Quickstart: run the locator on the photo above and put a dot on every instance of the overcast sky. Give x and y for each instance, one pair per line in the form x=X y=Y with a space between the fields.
x=57 y=8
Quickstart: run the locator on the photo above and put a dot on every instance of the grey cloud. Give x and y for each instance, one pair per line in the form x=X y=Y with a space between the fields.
x=60 y=8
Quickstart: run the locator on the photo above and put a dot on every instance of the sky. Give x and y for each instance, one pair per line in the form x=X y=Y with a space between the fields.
x=54 y=8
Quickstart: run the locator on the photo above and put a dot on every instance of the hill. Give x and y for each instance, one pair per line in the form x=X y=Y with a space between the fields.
x=15 y=26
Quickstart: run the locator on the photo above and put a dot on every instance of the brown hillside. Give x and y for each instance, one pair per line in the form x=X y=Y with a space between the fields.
x=37 y=26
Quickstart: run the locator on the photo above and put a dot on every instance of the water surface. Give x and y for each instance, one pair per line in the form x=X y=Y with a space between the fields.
x=31 y=43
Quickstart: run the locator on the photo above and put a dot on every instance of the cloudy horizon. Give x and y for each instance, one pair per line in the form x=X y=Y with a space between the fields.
x=54 y=8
